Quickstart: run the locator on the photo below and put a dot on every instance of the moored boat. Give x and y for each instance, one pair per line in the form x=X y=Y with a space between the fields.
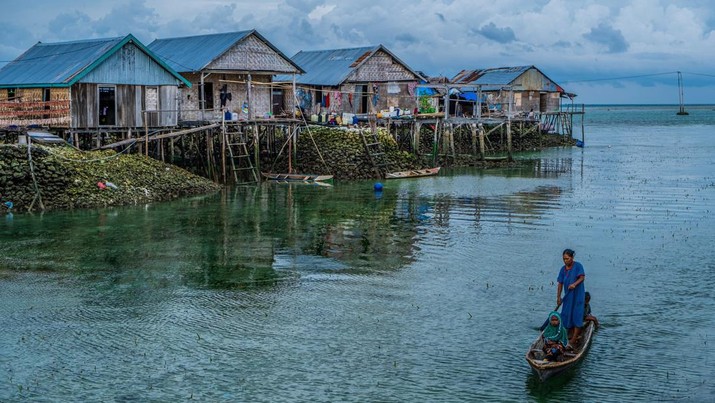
x=546 y=369
x=297 y=177
x=414 y=173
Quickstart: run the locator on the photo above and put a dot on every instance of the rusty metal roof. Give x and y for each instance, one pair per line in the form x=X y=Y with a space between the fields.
x=493 y=76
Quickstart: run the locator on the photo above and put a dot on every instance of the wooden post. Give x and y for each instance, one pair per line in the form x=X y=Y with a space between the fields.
x=249 y=96
x=583 y=133
x=223 y=147
x=257 y=147
x=473 y=128
x=290 y=152
x=481 y=142
x=202 y=95
x=146 y=136
x=434 y=143
x=171 y=150
x=451 y=141
x=293 y=101
x=508 y=127
x=416 y=138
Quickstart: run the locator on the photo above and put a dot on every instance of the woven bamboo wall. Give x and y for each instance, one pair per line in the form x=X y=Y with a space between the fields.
x=381 y=67
x=27 y=108
x=252 y=54
x=189 y=100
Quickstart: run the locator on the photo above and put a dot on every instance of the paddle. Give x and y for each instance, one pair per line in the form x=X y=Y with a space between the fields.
x=546 y=322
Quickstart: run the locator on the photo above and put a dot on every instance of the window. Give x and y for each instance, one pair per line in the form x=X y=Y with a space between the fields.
x=319 y=97
x=46 y=98
x=277 y=102
x=11 y=94
x=364 y=99
x=208 y=94
x=152 y=99
x=107 y=106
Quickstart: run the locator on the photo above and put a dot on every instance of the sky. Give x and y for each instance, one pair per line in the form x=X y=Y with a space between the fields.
x=607 y=52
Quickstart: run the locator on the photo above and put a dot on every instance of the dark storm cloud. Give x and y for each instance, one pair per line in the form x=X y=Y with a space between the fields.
x=406 y=39
x=604 y=34
x=501 y=35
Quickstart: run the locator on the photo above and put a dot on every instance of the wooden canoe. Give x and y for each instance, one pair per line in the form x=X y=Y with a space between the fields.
x=297 y=177
x=415 y=173
x=547 y=369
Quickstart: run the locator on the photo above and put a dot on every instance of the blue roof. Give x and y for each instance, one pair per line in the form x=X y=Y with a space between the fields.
x=333 y=67
x=328 y=67
x=194 y=53
x=64 y=63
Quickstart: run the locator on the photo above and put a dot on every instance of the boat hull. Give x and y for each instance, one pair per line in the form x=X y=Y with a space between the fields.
x=297 y=177
x=545 y=369
x=415 y=173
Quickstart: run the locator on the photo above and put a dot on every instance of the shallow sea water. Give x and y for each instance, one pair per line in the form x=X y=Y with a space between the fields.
x=431 y=290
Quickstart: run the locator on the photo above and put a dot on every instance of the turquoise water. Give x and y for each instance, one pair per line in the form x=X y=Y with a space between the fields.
x=429 y=291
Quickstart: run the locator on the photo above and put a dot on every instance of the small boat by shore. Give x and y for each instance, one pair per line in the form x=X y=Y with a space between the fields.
x=415 y=173
x=308 y=178
x=547 y=369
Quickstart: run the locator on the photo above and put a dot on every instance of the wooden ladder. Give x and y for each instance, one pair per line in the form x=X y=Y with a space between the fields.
x=241 y=162
x=375 y=152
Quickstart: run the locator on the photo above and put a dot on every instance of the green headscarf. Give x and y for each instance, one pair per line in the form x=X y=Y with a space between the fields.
x=556 y=333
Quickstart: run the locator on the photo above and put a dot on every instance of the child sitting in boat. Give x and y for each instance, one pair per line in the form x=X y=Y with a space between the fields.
x=555 y=338
x=587 y=316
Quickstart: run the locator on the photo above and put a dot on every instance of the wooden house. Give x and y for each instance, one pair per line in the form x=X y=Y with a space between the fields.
x=354 y=80
x=532 y=89
x=88 y=85
x=230 y=71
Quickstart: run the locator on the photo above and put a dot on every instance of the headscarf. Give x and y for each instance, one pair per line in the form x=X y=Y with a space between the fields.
x=556 y=333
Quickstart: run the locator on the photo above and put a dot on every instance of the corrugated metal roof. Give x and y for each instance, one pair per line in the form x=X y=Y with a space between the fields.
x=62 y=64
x=193 y=53
x=54 y=63
x=328 y=67
x=493 y=76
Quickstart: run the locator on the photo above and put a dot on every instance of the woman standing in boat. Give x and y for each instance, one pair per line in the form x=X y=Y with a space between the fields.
x=571 y=276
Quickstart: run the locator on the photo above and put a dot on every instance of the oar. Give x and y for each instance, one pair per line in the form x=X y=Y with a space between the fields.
x=546 y=322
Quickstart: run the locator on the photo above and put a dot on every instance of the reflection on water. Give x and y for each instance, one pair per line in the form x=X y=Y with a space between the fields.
x=429 y=290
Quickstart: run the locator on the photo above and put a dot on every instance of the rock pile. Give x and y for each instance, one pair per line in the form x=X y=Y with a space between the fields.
x=67 y=178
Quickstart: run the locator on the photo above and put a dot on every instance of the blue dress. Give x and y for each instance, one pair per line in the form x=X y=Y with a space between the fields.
x=572 y=305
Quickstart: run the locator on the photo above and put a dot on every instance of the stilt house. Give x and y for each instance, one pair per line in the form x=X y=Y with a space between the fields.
x=88 y=85
x=532 y=89
x=231 y=72
x=354 y=81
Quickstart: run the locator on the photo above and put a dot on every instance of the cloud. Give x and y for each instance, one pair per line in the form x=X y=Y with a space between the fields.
x=321 y=11
x=406 y=39
x=567 y=39
x=501 y=35
x=605 y=35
